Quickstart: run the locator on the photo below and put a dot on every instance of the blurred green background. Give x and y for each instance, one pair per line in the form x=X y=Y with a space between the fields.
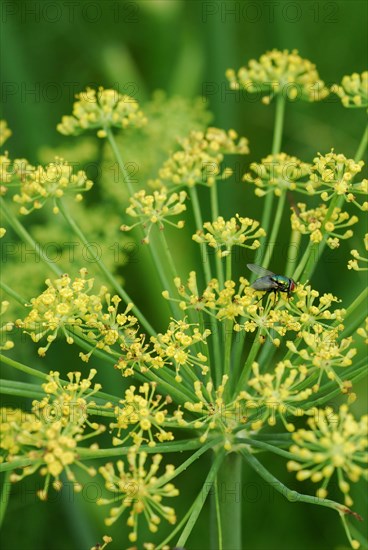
x=51 y=50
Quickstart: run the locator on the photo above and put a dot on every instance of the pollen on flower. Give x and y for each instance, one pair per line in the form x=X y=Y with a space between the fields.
x=280 y=72
x=334 y=442
x=102 y=109
x=353 y=90
x=138 y=489
x=223 y=235
x=155 y=209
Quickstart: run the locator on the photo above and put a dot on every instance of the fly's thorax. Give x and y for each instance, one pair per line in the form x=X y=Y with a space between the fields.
x=282 y=281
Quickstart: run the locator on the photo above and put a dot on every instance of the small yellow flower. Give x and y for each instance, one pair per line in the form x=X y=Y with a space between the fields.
x=280 y=72
x=102 y=109
x=223 y=235
x=353 y=264
x=5 y=343
x=155 y=209
x=49 y=435
x=334 y=442
x=315 y=223
x=277 y=174
x=5 y=132
x=39 y=184
x=199 y=159
x=139 y=490
x=142 y=413
x=276 y=394
x=332 y=174
x=353 y=90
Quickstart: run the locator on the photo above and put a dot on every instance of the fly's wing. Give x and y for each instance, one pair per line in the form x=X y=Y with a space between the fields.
x=261 y=271
x=265 y=283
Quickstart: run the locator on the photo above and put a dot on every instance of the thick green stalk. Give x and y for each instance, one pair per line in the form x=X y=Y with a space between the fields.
x=115 y=148
x=26 y=237
x=292 y=254
x=125 y=296
x=215 y=215
x=22 y=301
x=200 y=500
x=229 y=483
x=276 y=147
x=362 y=146
x=5 y=496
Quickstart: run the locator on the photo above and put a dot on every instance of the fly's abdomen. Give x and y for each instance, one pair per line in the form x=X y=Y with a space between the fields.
x=265 y=283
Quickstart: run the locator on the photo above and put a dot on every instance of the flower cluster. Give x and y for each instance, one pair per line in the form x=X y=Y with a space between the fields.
x=277 y=174
x=5 y=132
x=334 y=443
x=141 y=413
x=314 y=316
x=280 y=72
x=102 y=109
x=13 y=172
x=314 y=220
x=175 y=346
x=353 y=264
x=332 y=174
x=40 y=184
x=322 y=353
x=276 y=394
x=199 y=159
x=49 y=435
x=140 y=491
x=215 y=414
x=223 y=235
x=353 y=90
x=68 y=306
x=155 y=209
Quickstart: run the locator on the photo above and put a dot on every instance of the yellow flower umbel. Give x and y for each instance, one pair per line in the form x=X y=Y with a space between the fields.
x=311 y=222
x=155 y=209
x=314 y=315
x=216 y=416
x=50 y=434
x=332 y=175
x=51 y=182
x=176 y=345
x=199 y=159
x=353 y=90
x=276 y=395
x=223 y=235
x=5 y=132
x=68 y=306
x=140 y=491
x=102 y=109
x=142 y=414
x=280 y=72
x=13 y=172
x=334 y=443
x=353 y=264
x=323 y=353
x=277 y=174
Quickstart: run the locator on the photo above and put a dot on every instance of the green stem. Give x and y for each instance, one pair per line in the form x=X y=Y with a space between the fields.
x=104 y=269
x=362 y=146
x=293 y=247
x=19 y=366
x=26 y=237
x=229 y=481
x=276 y=147
x=275 y=230
x=215 y=215
x=292 y=496
x=199 y=224
x=200 y=500
x=249 y=362
x=114 y=147
x=22 y=301
x=5 y=496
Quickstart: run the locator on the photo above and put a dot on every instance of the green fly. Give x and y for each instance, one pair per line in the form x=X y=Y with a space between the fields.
x=270 y=282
